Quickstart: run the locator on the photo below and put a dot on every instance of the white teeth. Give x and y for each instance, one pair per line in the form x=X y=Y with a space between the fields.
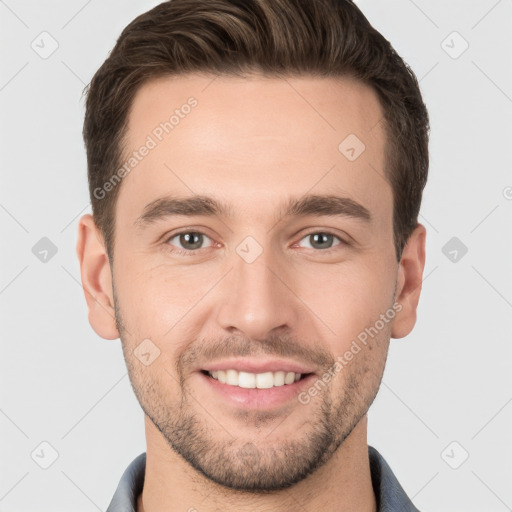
x=289 y=378
x=265 y=380
x=232 y=377
x=245 y=380
x=279 y=378
x=255 y=380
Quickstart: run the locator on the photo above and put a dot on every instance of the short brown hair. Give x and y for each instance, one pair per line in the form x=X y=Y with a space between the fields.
x=279 y=38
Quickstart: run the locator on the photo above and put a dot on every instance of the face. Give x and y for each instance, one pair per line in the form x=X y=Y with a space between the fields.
x=274 y=275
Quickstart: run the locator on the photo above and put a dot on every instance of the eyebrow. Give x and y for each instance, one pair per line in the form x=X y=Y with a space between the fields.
x=201 y=205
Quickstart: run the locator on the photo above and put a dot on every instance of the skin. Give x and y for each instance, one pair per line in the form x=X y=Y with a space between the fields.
x=254 y=143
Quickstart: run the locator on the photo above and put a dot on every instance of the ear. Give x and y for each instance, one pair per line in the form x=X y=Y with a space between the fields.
x=409 y=279
x=96 y=278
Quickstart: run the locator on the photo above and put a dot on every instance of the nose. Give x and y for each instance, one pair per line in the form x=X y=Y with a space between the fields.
x=257 y=298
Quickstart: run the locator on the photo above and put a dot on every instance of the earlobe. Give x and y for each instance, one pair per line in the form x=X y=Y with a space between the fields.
x=409 y=280
x=96 y=278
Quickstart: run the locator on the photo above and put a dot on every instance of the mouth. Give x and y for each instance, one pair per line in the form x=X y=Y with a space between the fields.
x=248 y=380
x=255 y=384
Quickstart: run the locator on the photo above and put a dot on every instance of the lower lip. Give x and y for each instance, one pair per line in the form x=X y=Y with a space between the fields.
x=255 y=398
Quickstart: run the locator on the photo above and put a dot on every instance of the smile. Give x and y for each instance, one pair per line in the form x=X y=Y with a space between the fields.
x=248 y=380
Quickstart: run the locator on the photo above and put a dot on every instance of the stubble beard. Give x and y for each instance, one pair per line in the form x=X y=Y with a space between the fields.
x=255 y=465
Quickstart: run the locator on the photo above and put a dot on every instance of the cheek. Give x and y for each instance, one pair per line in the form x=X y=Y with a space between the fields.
x=154 y=300
x=160 y=304
x=348 y=298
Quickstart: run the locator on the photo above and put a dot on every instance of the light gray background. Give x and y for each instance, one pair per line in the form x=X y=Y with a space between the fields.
x=449 y=380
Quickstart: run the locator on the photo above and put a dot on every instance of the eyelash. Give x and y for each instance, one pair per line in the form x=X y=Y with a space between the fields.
x=185 y=252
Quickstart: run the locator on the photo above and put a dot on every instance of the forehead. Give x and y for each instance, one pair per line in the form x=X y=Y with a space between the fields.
x=252 y=140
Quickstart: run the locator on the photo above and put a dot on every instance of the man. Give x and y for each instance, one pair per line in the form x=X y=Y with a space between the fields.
x=256 y=171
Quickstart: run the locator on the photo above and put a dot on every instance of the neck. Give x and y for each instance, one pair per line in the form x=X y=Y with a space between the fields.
x=342 y=484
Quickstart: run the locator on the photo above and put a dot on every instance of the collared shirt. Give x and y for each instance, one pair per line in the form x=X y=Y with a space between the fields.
x=389 y=494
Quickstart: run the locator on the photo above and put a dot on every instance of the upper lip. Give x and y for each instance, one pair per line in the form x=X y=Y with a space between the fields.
x=252 y=365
